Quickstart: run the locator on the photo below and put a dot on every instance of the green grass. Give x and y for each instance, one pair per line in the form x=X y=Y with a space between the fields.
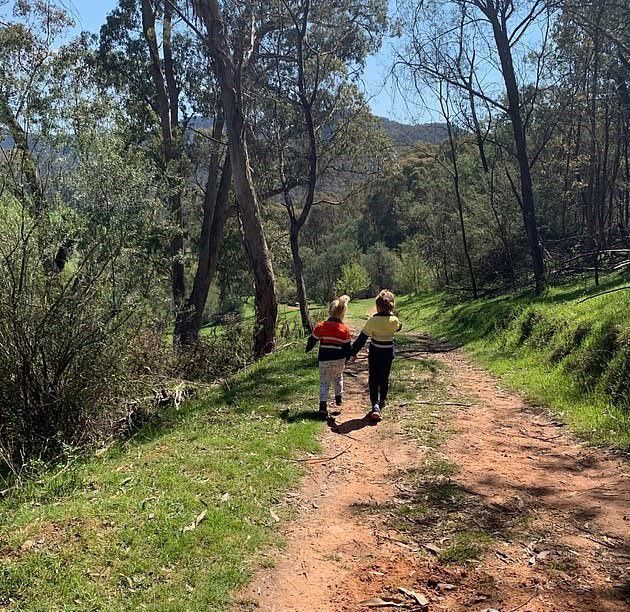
x=465 y=547
x=287 y=315
x=571 y=357
x=114 y=532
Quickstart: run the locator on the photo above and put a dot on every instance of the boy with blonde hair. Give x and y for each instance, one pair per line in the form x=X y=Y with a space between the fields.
x=380 y=328
x=335 y=343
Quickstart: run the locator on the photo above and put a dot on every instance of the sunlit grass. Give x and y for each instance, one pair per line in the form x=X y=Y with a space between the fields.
x=571 y=356
x=172 y=519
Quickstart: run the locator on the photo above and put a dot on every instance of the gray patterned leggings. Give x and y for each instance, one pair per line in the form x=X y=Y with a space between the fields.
x=330 y=372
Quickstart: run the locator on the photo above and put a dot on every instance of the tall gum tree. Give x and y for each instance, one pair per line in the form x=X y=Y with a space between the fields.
x=309 y=63
x=28 y=40
x=147 y=37
x=440 y=39
x=229 y=63
x=167 y=95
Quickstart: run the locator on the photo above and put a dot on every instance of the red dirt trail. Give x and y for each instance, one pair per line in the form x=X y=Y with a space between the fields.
x=557 y=512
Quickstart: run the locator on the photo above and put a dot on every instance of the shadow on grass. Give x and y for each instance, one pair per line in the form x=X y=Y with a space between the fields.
x=471 y=321
x=267 y=382
x=274 y=380
x=301 y=415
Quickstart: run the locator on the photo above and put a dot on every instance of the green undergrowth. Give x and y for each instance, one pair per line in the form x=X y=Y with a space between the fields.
x=288 y=318
x=570 y=356
x=173 y=518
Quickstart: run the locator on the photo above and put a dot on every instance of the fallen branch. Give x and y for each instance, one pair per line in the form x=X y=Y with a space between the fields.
x=591 y=297
x=524 y=604
x=318 y=459
x=430 y=403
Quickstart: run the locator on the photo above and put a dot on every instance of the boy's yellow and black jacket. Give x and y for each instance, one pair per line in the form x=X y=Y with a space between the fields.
x=380 y=328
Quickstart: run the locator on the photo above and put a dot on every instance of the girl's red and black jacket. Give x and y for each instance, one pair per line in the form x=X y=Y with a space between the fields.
x=335 y=340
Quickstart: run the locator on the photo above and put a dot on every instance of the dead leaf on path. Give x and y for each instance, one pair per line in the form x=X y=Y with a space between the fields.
x=543 y=555
x=417 y=597
x=436 y=550
x=504 y=557
x=379 y=602
x=274 y=516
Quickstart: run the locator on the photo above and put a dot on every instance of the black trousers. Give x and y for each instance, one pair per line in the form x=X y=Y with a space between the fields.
x=380 y=366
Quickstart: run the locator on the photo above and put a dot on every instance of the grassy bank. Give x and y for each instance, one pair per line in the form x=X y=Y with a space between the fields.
x=172 y=519
x=571 y=356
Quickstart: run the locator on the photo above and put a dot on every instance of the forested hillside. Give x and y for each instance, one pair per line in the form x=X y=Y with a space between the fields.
x=137 y=172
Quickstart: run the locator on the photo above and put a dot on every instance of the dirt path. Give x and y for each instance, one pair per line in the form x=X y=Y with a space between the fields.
x=509 y=514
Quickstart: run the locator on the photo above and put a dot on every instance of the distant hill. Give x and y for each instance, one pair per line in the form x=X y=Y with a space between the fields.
x=403 y=134
x=6 y=142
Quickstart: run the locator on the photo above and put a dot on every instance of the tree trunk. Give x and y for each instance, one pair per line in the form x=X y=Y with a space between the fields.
x=167 y=96
x=458 y=197
x=298 y=271
x=228 y=77
x=189 y=321
x=522 y=156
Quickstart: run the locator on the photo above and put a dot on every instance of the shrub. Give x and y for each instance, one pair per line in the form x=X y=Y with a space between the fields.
x=220 y=352
x=285 y=290
x=66 y=336
x=381 y=264
x=354 y=279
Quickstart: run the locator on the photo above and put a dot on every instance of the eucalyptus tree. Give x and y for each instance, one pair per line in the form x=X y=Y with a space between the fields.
x=308 y=65
x=30 y=34
x=231 y=46
x=446 y=108
x=482 y=47
x=147 y=37
x=594 y=58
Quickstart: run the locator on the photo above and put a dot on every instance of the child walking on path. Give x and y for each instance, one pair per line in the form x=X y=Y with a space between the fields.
x=335 y=343
x=380 y=328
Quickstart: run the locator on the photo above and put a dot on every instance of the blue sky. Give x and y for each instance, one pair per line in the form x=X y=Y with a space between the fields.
x=90 y=15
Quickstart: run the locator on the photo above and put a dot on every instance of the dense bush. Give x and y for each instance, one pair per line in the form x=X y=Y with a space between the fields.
x=66 y=336
x=354 y=280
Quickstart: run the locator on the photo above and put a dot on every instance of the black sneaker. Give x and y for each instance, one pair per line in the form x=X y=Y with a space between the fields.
x=338 y=400
x=323 y=410
x=375 y=415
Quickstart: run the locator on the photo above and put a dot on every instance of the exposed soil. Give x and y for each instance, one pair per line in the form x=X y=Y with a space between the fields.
x=548 y=517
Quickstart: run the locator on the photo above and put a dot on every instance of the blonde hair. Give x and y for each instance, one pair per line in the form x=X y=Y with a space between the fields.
x=385 y=301
x=339 y=307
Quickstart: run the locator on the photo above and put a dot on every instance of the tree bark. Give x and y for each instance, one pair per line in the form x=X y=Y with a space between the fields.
x=499 y=27
x=458 y=195
x=298 y=271
x=190 y=319
x=298 y=219
x=168 y=96
x=228 y=76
